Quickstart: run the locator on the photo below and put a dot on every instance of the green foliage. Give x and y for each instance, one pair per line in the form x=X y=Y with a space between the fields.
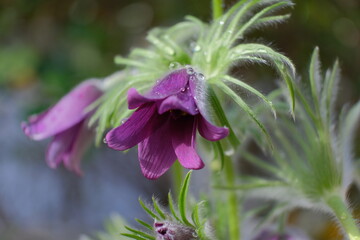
x=307 y=167
x=311 y=164
x=178 y=214
x=212 y=49
x=113 y=227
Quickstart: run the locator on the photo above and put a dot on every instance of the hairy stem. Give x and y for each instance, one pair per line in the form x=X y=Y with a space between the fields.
x=217 y=8
x=344 y=217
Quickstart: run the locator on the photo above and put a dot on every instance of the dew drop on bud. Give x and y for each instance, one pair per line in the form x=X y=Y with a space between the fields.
x=200 y=76
x=192 y=78
x=104 y=141
x=190 y=70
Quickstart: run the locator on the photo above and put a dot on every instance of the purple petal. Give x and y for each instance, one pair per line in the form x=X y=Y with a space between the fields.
x=172 y=84
x=82 y=141
x=139 y=126
x=156 y=154
x=183 y=132
x=210 y=131
x=135 y=99
x=69 y=146
x=65 y=114
x=183 y=101
x=60 y=146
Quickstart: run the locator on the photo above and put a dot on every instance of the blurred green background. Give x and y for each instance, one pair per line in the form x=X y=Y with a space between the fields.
x=59 y=43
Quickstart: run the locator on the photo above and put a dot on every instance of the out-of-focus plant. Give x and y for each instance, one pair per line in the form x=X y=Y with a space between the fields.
x=113 y=227
x=312 y=165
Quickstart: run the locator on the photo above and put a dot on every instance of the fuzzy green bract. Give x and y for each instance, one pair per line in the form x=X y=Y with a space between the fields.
x=211 y=49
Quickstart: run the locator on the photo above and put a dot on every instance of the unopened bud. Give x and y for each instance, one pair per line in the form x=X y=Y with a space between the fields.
x=167 y=230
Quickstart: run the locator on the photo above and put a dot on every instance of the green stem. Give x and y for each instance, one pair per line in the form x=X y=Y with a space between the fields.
x=234 y=224
x=217 y=8
x=177 y=177
x=344 y=216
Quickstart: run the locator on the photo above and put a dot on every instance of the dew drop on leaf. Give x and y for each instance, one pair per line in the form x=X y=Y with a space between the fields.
x=174 y=65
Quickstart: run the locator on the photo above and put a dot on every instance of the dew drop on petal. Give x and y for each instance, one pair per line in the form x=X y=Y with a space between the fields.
x=124 y=120
x=183 y=89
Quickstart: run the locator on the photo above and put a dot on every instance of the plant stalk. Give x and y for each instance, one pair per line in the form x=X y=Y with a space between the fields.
x=344 y=217
x=234 y=223
x=217 y=8
x=177 y=178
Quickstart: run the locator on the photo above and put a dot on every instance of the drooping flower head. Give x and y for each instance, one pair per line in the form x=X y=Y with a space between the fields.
x=165 y=124
x=66 y=122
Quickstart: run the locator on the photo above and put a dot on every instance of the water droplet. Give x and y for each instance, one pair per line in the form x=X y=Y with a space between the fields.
x=343 y=217
x=262 y=50
x=230 y=151
x=183 y=90
x=196 y=109
x=195 y=235
x=174 y=65
x=124 y=120
x=192 y=78
x=221 y=22
x=190 y=70
x=194 y=47
x=200 y=76
x=104 y=141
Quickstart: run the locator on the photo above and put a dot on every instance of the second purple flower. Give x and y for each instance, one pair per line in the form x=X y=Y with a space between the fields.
x=165 y=124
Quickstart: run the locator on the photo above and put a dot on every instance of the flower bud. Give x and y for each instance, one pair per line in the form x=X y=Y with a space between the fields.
x=167 y=230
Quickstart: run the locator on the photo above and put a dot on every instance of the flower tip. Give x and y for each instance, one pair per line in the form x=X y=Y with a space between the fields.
x=25 y=127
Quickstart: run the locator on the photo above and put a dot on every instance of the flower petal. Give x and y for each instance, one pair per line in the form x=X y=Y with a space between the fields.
x=210 y=131
x=171 y=84
x=69 y=146
x=183 y=132
x=156 y=154
x=135 y=99
x=60 y=146
x=82 y=141
x=183 y=101
x=65 y=114
x=139 y=126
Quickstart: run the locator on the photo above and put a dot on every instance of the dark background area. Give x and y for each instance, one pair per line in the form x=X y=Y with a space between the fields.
x=48 y=46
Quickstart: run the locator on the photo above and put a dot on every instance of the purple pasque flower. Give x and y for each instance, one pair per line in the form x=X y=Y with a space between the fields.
x=66 y=122
x=165 y=124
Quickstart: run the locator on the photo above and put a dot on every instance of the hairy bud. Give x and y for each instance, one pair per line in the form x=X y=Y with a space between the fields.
x=173 y=231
